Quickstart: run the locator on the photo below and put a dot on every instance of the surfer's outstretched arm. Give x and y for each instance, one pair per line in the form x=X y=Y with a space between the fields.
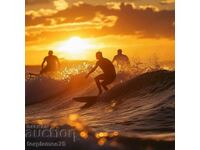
x=92 y=70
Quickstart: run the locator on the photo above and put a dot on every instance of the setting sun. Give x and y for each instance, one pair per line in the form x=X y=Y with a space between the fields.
x=76 y=31
x=74 y=45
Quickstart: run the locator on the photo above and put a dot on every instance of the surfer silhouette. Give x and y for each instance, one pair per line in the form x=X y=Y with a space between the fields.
x=121 y=59
x=109 y=73
x=52 y=63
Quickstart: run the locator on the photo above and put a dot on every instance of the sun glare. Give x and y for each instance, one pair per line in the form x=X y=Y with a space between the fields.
x=74 y=45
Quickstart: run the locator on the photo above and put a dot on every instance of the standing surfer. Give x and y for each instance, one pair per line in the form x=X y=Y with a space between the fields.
x=109 y=73
x=121 y=60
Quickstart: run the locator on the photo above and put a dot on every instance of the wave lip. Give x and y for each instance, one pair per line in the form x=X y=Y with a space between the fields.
x=148 y=83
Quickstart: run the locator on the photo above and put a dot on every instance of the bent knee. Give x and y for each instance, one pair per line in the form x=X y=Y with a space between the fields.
x=96 y=79
x=99 y=77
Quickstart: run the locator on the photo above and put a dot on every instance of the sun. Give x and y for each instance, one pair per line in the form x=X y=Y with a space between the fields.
x=74 y=46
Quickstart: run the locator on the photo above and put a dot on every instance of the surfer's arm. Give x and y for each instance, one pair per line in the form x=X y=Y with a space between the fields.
x=128 y=61
x=43 y=62
x=92 y=70
x=114 y=59
x=58 y=62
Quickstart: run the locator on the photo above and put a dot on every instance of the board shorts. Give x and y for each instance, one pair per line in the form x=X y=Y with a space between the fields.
x=107 y=79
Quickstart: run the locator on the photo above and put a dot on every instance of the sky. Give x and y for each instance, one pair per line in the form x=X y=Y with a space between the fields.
x=77 y=29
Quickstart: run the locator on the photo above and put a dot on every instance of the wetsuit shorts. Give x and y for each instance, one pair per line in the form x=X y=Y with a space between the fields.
x=107 y=79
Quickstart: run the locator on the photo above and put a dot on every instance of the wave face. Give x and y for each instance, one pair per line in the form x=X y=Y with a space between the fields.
x=41 y=88
x=139 y=106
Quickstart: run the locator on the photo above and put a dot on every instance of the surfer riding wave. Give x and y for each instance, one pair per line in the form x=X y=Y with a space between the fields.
x=109 y=73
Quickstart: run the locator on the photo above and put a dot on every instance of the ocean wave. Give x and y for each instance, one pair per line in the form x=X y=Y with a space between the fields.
x=136 y=107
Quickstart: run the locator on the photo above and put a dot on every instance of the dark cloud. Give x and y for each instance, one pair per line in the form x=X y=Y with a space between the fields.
x=141 y=22
x=85 y=12
x=32 y=21
x=37 y=2
x=145 y=23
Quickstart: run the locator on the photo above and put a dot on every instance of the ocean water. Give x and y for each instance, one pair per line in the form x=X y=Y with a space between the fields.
x=136 y=106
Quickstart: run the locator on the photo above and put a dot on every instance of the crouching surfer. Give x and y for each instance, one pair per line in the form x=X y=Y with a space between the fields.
x=109 y=73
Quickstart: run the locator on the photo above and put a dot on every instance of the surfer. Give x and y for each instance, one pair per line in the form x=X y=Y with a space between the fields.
x=121 y=59
x=109 y=73
x=52 y=63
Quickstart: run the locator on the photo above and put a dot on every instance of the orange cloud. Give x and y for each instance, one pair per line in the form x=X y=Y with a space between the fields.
x=60 y=4
x=167 y=1
x=113 y=5
x=149 y=6
x=41 y=12
x=98 y=20
x=116 y=5
x=78 y=3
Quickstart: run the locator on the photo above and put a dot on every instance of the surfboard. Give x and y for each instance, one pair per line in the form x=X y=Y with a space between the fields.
x=88 y=100
x=85 y=99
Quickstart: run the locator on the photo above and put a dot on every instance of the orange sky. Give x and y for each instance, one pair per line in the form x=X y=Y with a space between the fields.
x=76 y=30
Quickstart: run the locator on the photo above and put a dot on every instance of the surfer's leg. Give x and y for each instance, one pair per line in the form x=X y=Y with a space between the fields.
x=105 y=87
x=107 y=80
x=44 y=70
x=104 y=84
x=97 y=80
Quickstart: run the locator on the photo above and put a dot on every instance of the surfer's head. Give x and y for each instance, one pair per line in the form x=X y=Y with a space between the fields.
x=99 y=55
x=119 y=51
x=50 y=52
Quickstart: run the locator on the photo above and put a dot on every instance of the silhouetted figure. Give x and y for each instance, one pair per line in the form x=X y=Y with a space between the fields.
x=108 y=69
x=121 y=59
x=52 y=63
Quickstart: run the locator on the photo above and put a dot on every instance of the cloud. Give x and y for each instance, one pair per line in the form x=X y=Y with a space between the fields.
x=145 y=23
x=116 y=5
x=60 y=4
x=37 y=2
x=149 y=6
x=104 y=21
x=41 y=12
x=113 y=5
x=97 y=20
x=78 y=3
x=164 y=2
x=130 y=3
x=39 y=8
